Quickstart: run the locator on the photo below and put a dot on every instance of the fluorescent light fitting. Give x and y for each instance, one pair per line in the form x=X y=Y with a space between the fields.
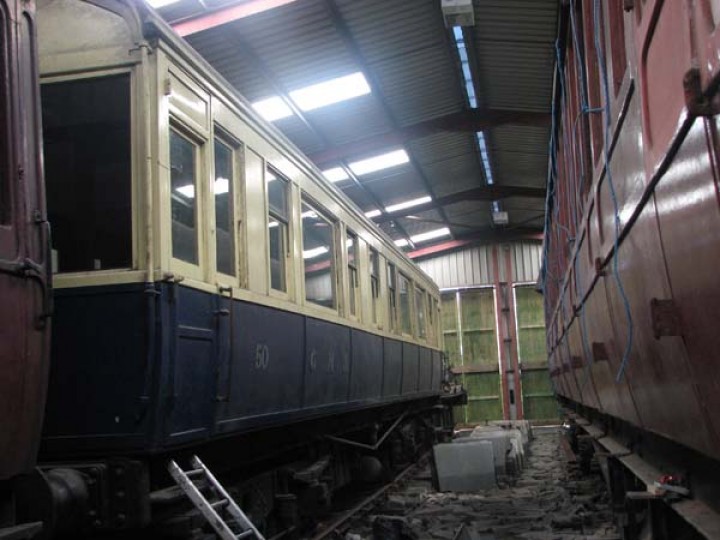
x=378 y=163
x=309 y=214
x=315 y=252
x=402 y=242
x=430 y=235
x=272 y=108
x=270 y=177
x=160 y=3
x=332 y=91
x=373 y=213
x=336 y=174
x=407 y=204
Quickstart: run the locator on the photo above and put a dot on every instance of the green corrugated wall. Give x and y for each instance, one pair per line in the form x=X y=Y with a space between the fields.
x=469 y=318
x=538 y=400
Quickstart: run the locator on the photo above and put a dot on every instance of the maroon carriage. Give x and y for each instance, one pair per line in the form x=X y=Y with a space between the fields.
x=24 y=253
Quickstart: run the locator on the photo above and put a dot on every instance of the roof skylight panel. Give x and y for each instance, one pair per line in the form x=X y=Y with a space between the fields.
x=157 y=4
x=272 y=108
x=314 y=96
x=329 y=92
x=378 y=163
x=336 y=174
x=407 y=204
x=430 y=235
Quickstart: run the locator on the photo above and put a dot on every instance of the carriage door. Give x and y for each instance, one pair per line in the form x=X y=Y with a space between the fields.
x=23 y=275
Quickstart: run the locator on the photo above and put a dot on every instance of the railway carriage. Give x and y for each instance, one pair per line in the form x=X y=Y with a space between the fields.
x=25 y=300
x=631 y=245
x=208 y=281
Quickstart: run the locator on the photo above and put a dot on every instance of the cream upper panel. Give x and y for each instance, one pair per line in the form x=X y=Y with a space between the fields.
x=283 y=156
x=76 y=35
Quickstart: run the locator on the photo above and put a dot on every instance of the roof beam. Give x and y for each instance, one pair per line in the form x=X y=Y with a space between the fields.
x=484 y=193
x=484 y=236
x=472 y=120
x=354 y=49
x=225 y=15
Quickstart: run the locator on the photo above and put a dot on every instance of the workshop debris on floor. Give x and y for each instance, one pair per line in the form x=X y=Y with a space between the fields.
x=549 y=499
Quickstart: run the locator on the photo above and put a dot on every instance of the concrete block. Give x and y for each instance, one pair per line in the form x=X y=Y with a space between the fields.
x=501 y=445
x=465 y=467
x=517 y=455
x=502 y=440
x=523 y=425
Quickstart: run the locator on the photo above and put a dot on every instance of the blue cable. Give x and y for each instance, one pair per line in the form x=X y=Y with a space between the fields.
x=584 y=109
x=616 y=273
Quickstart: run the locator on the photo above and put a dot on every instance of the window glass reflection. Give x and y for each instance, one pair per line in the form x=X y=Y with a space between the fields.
x=318 y=257
x=223 y=188
x=184 y=200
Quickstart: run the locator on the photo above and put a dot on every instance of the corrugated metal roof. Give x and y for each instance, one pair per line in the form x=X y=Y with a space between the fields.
x=405 y=50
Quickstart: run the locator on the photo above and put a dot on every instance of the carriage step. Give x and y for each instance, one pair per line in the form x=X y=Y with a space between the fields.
x=216 y=511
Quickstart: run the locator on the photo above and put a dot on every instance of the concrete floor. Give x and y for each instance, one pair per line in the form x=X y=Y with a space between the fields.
x=550 y=500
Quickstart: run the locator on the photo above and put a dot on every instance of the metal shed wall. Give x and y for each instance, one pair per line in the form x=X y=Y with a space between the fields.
x=474 y=266
x=519 y=386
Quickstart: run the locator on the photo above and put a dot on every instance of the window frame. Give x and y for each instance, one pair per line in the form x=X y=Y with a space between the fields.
x=307 y=200
x=138 y=217
x=236 y=182
x=353 y=275
x=392 y=310
x=285 y=225
x=374 y=272
x=419 y=292
x=186 y=268
x=411 y=299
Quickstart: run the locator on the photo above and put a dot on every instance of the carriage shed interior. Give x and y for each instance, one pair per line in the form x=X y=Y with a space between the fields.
x=484 y=243
x=435 y=122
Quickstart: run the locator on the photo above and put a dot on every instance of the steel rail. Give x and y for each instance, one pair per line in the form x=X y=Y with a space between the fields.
x=346 y=516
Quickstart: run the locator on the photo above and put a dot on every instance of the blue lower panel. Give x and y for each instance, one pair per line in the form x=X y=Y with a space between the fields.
x=101 y=373
x=140 y=370
x=425 y=370
x=191 y=378
x=410 y=368
x=436 y=370
x=266 y=373
x=327 y=363
x=366 y=374
x=392 y=367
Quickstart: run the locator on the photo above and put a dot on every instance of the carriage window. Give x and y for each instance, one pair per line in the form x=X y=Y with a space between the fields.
x=352 y=249
x=374 y=282
x=183 y=175
x=277 y=191
x=4 y=157
x=392 y=297
x=420 y=310
x=224 y=190
x=318 y=256
x=86 y=127
x=431 y=331
x=404 y=290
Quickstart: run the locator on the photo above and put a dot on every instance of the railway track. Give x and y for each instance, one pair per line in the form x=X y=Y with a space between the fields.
x=333 y=526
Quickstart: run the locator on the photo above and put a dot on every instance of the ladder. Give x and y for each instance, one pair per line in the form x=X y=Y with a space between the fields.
x=237 y=526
